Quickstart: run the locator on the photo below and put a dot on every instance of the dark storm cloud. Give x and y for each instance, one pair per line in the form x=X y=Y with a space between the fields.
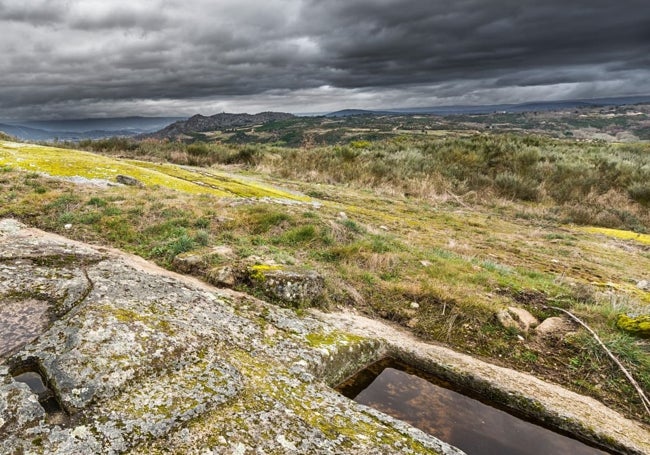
x=62 y=57
x=387 y=41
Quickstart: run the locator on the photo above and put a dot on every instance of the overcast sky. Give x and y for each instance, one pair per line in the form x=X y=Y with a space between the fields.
x=101 y=58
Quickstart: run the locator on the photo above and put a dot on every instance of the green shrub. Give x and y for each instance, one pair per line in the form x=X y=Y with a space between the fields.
x=348 y=153
x=248 y=154
x=202 y=238
x=297 y=235
x=513 y=186
x=262 y=221
x=198 y=149
x=640 y=192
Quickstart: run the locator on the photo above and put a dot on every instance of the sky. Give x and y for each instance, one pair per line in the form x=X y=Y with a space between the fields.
x=107 y=58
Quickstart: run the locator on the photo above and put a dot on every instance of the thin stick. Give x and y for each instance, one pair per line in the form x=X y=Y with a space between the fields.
x=644 y=399
x=457 y=199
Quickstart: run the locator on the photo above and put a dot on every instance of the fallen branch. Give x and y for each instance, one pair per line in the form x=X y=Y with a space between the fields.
x=644 y=399
x=457 y=199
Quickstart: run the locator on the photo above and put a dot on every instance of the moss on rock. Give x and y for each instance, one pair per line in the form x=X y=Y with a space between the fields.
x=639 y=326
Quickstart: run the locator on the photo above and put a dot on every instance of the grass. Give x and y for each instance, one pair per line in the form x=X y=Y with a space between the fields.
x=419 y=227
x=72 y=163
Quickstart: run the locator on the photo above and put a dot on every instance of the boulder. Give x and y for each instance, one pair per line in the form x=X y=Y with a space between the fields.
x=553 y=327
x=198 y=263
x=223 y=277
x=517 y=318
x=294 y=287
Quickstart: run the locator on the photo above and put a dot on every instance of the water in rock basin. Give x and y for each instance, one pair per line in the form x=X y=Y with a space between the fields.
x=33 y=380
x=55 y=413
x=474 y=427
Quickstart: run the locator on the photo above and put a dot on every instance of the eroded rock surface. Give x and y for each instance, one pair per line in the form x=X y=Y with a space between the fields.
x=146 y=361
x=291 y=287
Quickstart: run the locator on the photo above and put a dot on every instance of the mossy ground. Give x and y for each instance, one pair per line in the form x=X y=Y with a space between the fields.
x=60 y=162
x=459 y=260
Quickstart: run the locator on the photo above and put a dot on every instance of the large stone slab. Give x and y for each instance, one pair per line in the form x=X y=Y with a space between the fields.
x=143 y=360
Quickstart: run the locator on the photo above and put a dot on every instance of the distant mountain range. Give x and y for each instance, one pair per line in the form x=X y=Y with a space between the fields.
x=174 y=127
x=78 y=129
x=200 y=123
x=535 y=106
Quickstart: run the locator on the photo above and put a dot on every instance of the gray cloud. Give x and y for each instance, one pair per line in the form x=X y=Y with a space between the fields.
x=100 y=57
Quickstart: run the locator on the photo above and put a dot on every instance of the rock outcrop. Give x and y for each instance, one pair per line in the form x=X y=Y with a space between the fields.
x=200 y=123
x=142 y=360
x=292 y=287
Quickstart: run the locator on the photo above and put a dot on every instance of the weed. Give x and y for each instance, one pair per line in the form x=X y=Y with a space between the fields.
x=97 y=202
x=202 y=238
x=263 y=220
x=202 y=223
x=298 y=235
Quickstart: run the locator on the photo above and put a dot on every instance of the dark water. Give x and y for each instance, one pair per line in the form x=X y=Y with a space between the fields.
x=55 y=413
x=474 y=427
x=33 y=380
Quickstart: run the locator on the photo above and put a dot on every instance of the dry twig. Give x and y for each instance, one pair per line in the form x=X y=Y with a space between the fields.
x=644 y=399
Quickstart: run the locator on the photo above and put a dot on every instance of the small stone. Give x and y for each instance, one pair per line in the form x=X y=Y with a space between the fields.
x=222 y=276
x=517 y=318
x=129 y=181
x=290 y=286
x=198 y=263
x=506 y=320
x=412 y=323
x=67 y=226
x=554 y=327
x=415 y=305
x=526 y=320
x=426 y=263
x=343 y=216
x=644 y=285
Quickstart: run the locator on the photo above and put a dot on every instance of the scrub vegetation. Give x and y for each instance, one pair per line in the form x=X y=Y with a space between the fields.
x=434 y=233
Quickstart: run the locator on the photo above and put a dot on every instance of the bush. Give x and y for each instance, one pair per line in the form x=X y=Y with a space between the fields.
x=249 y=154
x=514 y=186
x=198 y=149
x=640 y=192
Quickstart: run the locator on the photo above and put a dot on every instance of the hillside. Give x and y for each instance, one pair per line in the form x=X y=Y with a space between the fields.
x=446 y=239
x=218 y=122
x=582 y=121
x=79 y=129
